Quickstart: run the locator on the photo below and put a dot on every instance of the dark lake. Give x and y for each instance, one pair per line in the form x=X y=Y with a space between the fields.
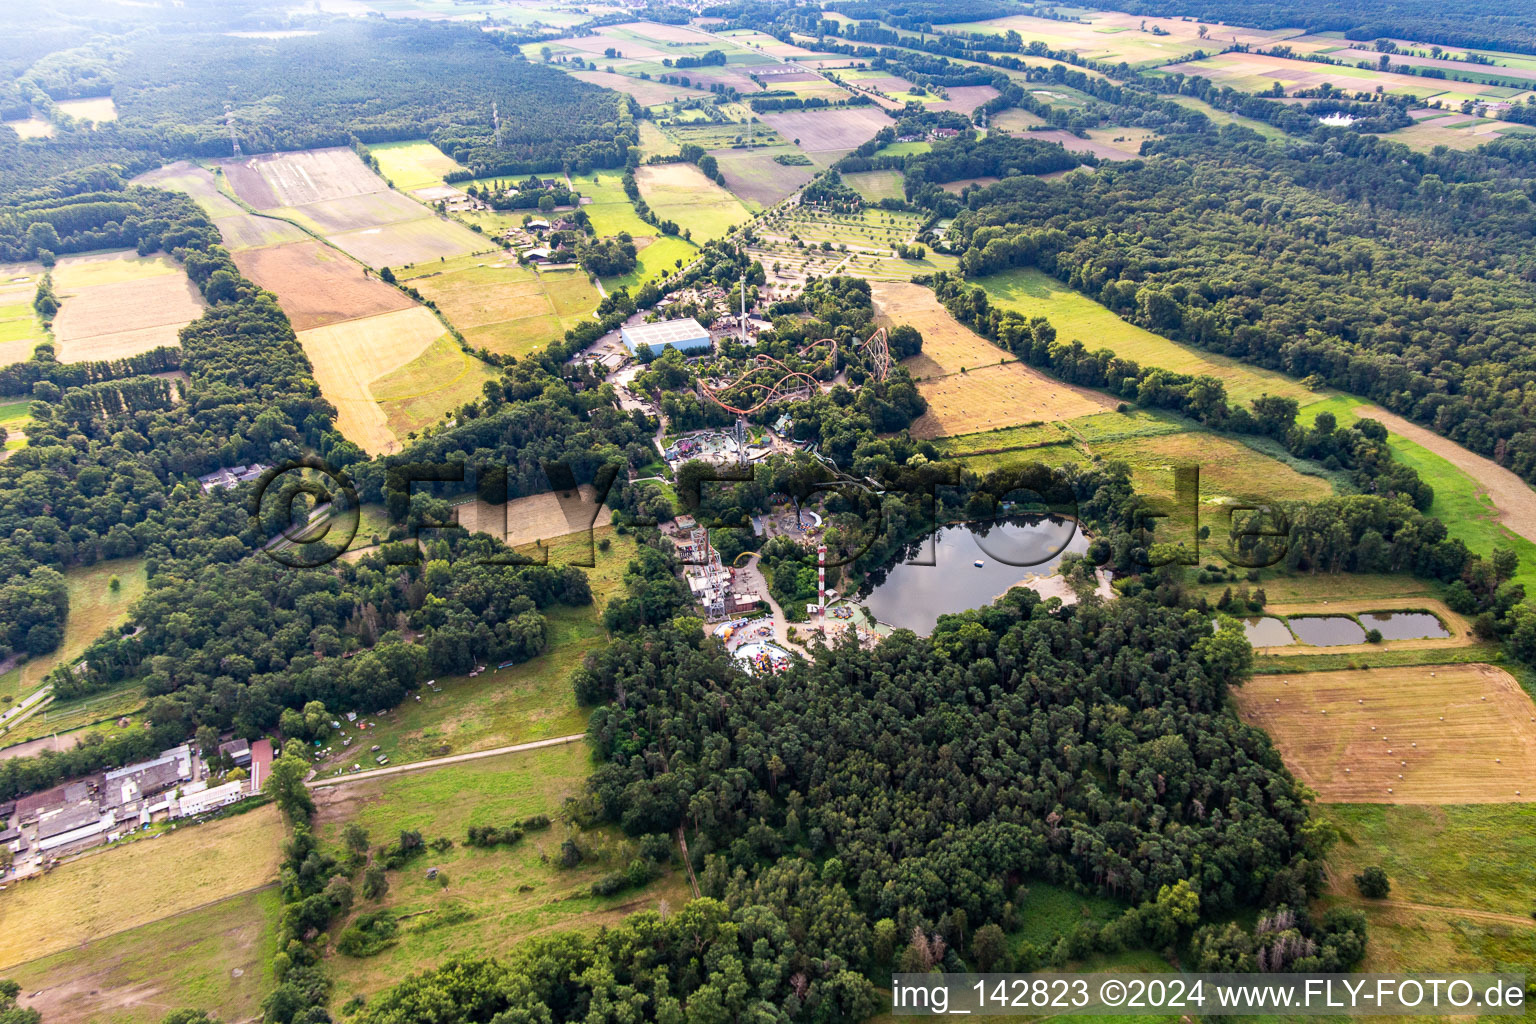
x=1010 y=550
x=1405 y=625
x=1327 y=630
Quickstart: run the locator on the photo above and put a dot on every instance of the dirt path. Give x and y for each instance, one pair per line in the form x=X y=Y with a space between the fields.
x=437 y=762
x=1511 y=496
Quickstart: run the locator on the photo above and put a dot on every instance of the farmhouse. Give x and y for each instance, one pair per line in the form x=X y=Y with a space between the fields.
x=239 y=752
x=685 y=335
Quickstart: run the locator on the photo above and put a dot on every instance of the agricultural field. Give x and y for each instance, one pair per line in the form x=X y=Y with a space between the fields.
x=487 y=899
x=680 y=192
x=1015 y=119
x=654 y=142
x=217 y=957
x=610 y=210
x=1454 y=130
x=757 y=179
x=137 y=881
x=94 y=608
x=1229 y=471
x=348 y=356
x=20 y=329
x=1114 y=37
x=62 y=724
x=410 y=166
x=96 y=109
x=1104 y=143
x=120 y=304
x=875 y=185
x=827 y=135
x=1460 y=896
x=333 y=194
x=316 y=285
x=1481 y=503
x=1427 y=734
x=646 y=92
x=241 y=230
x=1075 y=316
x=1253 y=72
x=961 y=98
x=506 y=308
x=439 y=380
x=969 y=383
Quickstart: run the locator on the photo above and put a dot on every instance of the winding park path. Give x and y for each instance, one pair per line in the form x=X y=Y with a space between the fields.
x=438 y=762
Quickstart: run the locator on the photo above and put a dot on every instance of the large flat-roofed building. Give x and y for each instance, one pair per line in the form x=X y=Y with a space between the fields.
x=684 y=335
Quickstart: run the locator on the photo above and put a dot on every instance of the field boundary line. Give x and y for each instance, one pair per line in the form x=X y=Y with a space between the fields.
x=121 y=931
x=438 y=762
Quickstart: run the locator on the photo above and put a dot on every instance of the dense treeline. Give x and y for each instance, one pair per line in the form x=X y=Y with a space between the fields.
x=171 y=90
x=1500 y=25
x=1404 y=277
x=1014 y=742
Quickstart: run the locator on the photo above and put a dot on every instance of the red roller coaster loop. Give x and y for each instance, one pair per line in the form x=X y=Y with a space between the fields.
x=803 y=383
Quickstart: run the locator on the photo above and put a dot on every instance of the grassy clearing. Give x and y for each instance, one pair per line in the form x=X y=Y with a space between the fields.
x=1460 y=876
x=681 y=193
x=1075 y=316
x=493 y=898
x=1221 y=117
x=657 y=258
x=137 y=882
x=526 y=702
x=1419 y=735
x=94 y=607
x=217 y=958
x=610 y=209
x=430 y=386
x=412 y=165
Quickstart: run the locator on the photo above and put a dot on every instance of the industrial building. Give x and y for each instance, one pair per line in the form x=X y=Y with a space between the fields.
x=685 y=335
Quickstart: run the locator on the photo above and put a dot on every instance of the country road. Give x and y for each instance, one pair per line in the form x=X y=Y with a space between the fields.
x=438 y=762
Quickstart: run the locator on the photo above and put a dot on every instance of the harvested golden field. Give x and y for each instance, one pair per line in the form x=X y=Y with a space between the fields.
x=348 y=356
x=537 y=517
x=969 y=383
x=316 y=285
x=112 y=889
x=1424 y=734
x=993 y=396
x=120 y=305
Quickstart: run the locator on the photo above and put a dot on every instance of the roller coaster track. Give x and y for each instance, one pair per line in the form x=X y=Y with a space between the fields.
x=801 y=384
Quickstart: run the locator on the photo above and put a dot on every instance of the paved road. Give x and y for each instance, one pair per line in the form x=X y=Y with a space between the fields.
x=437 y=762
x=26 y=706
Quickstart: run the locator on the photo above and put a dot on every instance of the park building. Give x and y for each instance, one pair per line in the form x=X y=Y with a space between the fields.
x=685 y=335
